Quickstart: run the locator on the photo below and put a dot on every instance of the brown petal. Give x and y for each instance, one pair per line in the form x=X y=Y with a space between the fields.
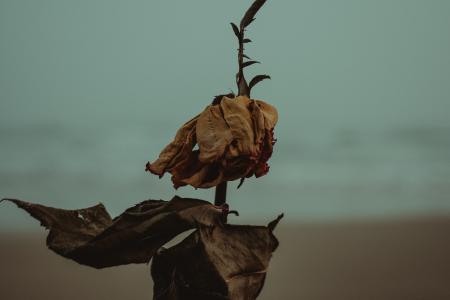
x=213 y=134
x=178 y=149
x=239 y=119
x=258 y=122
x=270 y=114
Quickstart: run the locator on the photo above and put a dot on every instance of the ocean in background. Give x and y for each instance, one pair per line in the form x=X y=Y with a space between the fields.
x=91 y=91
x=325 y=174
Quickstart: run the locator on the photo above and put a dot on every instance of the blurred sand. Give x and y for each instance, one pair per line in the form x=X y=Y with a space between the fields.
x=398 y=260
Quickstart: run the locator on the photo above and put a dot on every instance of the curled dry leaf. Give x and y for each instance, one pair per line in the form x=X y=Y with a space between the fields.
x=235 y=140
x=215 y=263
x=90 y=237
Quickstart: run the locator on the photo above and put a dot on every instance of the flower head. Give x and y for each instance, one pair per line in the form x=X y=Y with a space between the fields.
x=235 y=140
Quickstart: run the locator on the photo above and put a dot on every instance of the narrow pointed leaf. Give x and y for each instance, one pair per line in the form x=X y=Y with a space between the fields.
x=246 y=41
x=251 y=12
x=246 y=56
x=257 y=79
x=249 y=63
x=236 y=30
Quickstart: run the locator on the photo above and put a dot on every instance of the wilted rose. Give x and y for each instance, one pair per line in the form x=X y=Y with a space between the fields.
x=235 y=140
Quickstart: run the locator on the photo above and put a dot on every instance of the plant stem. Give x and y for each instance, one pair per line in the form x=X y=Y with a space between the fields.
x=221 y=197
x=243 y=89
x=221 y=194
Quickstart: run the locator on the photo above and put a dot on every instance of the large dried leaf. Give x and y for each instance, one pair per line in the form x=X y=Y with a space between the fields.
x=212 y=263
x=90 y=237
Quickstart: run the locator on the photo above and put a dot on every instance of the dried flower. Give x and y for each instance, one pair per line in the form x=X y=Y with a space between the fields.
x=234 y=138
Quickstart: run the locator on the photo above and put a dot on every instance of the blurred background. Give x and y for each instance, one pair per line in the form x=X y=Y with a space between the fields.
x=92 y=90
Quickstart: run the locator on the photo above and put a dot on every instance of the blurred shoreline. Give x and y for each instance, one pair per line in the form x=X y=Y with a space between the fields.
x=407 y=258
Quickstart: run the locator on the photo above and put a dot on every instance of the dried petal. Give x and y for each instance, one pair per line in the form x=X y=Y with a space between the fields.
x=177 y=150
x=239 y=119
x=213 y=134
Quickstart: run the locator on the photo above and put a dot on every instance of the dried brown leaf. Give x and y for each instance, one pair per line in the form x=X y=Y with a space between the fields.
x=90 y=237
x=227 y=262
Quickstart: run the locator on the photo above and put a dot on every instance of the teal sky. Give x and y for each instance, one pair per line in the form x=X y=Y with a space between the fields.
x=139 y=69
x=374 y=61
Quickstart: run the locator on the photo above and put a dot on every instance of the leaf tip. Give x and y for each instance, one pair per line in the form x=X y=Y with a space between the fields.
x=15 y=201
x=275 y=222
x=241 y=182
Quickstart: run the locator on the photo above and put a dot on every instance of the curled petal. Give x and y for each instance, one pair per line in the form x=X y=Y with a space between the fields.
x=178 y=150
